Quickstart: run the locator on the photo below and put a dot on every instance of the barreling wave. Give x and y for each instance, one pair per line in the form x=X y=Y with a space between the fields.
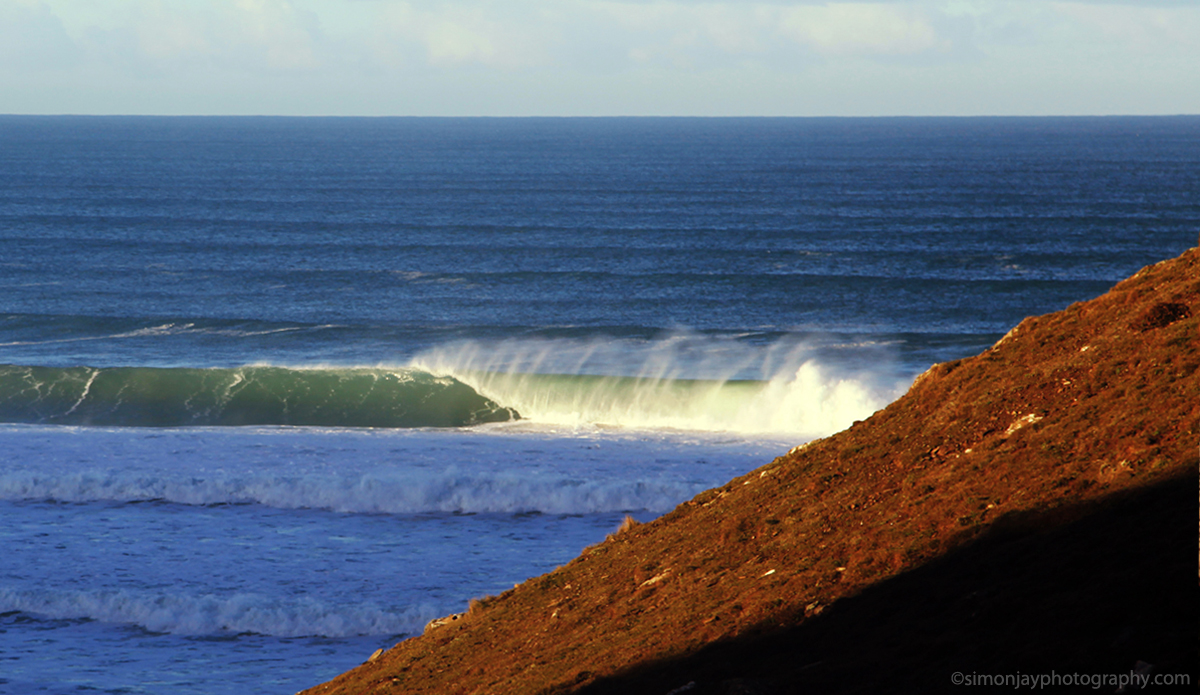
x=260 y=395
x=185 y=614
x=794 y=394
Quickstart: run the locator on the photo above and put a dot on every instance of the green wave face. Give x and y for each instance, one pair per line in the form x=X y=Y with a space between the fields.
x=157 y=397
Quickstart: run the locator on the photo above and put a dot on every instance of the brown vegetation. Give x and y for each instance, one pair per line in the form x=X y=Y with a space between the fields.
x=1025 y=509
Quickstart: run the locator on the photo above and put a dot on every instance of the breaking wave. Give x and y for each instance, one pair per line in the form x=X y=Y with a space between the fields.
x=396 y=492
x=158 y=397
x=684 y=383
x=183 y=614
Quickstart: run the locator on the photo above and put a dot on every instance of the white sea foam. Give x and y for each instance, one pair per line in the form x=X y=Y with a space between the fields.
x=399 y=492
x=210 y=614
x=246 y=333
x=174 y=329
x=517 y=467
x=161 y=330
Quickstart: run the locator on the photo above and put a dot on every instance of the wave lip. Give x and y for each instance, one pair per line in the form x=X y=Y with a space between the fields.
x=260 y=395
x=790 y=391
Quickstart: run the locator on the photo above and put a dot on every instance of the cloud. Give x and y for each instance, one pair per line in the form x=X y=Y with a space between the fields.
x=153 y=36
x=283 y=36
x=33 y=39
x=725 y=34
x=1142 y=28
x=861 y=29
x=463 y=34
x=600 y=56
x=675 y=33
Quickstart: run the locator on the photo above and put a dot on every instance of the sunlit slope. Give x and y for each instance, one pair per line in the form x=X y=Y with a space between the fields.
x=1083 y=419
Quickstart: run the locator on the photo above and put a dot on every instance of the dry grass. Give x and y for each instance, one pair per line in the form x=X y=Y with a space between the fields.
x=627 y=524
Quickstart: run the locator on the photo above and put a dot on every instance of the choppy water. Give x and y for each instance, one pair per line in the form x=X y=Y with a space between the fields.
x=275 y=392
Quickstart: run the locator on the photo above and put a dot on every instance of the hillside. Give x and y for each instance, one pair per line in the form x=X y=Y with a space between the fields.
x=1025 y=509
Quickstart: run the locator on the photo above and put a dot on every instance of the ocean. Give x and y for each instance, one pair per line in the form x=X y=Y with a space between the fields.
x=275 y=392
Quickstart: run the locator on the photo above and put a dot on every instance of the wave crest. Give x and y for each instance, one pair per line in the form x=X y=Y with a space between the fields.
x=149 y=396
x=789 y=390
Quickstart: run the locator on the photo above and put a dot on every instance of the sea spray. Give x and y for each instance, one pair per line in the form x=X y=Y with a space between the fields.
x=681 y=382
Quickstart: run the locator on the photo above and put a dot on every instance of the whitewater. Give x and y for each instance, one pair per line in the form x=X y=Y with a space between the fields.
x=274 y=393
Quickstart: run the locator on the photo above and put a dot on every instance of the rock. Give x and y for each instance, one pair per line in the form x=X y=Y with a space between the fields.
x=439 y=622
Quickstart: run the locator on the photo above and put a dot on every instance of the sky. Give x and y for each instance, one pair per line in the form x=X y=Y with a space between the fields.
x=599 y=57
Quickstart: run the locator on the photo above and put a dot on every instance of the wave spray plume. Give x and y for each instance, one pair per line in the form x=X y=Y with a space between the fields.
x=684 y=382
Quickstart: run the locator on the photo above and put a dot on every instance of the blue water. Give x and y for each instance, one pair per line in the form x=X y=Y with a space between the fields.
x=228 y=345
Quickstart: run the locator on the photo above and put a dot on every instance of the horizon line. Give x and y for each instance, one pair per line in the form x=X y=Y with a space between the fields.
x=597 y=117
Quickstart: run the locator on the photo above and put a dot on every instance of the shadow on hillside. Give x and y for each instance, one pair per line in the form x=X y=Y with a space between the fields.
x=1095 y=595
